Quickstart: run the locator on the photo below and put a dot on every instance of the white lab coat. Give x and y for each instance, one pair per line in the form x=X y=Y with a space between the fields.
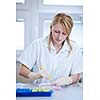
x=61 y=64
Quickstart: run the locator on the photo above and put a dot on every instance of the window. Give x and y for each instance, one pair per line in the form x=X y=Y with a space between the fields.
x=23 y=4
x=63 y=2
x=46 y=27
x=23 y=25
x=77 y=33
x=20 y=34
x=20 y=1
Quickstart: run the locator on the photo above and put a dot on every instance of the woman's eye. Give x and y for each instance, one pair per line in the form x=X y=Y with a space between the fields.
x=63 y=33
x=57 y=31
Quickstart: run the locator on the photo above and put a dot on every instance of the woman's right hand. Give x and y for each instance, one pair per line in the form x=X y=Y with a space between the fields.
x=44 y=74
x=40 y=74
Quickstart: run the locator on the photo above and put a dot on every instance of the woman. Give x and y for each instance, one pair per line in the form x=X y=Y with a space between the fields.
x=55 y=58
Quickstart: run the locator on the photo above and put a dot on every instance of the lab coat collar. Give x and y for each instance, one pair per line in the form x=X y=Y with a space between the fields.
x=65 y=47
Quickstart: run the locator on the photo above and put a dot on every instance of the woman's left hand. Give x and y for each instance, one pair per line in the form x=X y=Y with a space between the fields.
x=63 y=81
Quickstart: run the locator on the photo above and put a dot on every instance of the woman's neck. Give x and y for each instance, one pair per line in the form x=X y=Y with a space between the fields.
x=57 y=47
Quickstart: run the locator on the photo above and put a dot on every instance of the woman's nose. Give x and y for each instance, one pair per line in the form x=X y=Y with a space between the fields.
x=60 y=36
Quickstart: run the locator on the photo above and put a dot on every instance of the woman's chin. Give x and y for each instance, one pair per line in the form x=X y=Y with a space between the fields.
x=59 y=42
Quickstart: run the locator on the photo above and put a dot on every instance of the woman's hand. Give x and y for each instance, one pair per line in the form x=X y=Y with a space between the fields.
x=62 y=81
x=38 y=75
x=44 y=74
x=74 y=78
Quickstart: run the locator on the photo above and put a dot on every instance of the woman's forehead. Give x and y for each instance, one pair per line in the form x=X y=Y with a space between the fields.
x=58 y=26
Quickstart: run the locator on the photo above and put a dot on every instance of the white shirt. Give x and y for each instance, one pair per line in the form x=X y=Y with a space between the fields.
x=60 y=64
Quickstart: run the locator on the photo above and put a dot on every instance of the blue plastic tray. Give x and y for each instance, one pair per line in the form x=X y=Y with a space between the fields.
x=36 y=92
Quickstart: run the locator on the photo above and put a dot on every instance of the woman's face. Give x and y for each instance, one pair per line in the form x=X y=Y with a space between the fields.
x=58 y=34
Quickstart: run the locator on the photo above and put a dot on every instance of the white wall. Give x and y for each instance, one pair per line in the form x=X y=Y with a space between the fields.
x=77 y=34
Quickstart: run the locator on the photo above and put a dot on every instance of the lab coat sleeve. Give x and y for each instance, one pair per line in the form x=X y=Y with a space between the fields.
x=77 y=62
x=28 y=57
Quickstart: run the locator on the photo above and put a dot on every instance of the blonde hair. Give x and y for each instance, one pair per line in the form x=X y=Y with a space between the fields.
x=67 y=22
